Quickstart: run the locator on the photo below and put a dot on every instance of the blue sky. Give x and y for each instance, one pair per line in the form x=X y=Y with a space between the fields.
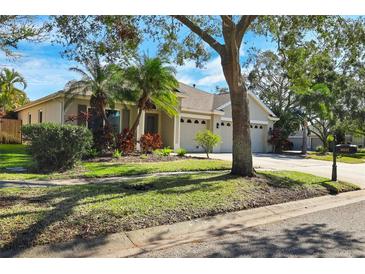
x=46 y=71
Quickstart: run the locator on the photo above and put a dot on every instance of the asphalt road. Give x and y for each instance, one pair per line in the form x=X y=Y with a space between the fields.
x=353 y=173
x=336 y=232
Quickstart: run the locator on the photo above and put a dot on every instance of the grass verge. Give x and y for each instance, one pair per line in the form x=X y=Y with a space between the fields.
x=36 y=216
x=357 y=158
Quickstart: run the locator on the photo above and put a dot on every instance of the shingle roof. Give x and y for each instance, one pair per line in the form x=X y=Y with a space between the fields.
x=196 y=98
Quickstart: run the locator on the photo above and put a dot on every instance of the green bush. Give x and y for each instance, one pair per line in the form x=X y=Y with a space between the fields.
x=181 y=152
x=166 y=151
x=320 y=149
x=90 y=153
x=117 y=154
x=55 y=147
x=207 y=140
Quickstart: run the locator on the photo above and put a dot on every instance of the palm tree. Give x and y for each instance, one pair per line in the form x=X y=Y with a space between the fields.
x=96 y=79
x=12 y=97
x=154 y=85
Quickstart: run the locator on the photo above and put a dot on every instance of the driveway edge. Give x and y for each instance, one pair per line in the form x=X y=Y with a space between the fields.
x=127 y=244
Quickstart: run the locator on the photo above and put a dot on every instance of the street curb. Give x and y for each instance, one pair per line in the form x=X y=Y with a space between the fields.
x=128 y=244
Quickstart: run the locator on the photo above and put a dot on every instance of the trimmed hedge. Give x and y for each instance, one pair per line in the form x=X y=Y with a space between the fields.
x=56 y=147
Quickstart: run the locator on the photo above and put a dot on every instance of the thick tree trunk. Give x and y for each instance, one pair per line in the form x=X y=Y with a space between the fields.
x=241 y=152
x=305 y=133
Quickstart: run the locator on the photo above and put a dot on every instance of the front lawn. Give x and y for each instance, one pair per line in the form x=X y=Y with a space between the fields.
x=16 y=156
x=13 y=156
x=32 y=216
x=357 y=158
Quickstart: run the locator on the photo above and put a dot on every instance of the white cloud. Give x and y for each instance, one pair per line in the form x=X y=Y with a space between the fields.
x=207 y=77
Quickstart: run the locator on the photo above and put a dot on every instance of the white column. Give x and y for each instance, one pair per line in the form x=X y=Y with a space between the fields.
x=140 y=128
x=177 y=132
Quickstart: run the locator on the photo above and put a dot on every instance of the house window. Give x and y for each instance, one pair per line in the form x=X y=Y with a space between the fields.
x=189 y=121
x=222 y=124
x=125 y=118
x=228 y=124
x=196 y=122
x=113 y=117
x=40 y=116
x=256 y=126
x=181 y=120
x=29 y=118
x=260 y=127
x=151 y=123
x=203 y=122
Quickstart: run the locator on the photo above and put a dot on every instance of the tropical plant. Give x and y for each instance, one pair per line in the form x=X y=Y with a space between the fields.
x=98 y=80
x=181 y=152
x=117 y=154
x=207 y=140
x=124 y=142
x=164 y=152
x=12 y=95
x=150 y=142
x=154 y=85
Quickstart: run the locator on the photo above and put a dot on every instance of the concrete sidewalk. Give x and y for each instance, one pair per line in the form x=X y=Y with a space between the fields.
x=128 y=244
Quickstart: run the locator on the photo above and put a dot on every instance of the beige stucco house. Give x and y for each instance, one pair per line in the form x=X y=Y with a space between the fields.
x=198 y=110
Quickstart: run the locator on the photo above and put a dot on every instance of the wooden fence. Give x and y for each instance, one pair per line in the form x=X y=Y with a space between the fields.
x=10 y=130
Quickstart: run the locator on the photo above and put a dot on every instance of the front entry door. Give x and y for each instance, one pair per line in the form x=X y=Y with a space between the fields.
x=151 y=123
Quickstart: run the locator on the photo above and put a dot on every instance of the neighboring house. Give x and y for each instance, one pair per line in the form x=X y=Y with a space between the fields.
x=198 y=110
x=313 y=141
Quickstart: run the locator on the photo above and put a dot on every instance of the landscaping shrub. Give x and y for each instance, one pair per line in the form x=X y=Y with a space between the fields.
x=207 y=140
x=8 y=139
x=150 y=142
x=90 y=153
x=125 y=142
x=320 y=149
x=181 y=152
x=166 y=151
x=117 y=154
x=56 y=147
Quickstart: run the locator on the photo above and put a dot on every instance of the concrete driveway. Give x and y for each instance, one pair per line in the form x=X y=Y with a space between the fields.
x=353 y=173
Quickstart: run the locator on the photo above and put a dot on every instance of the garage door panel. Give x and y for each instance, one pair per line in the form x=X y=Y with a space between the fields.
x=257 y=133
x=189 y=129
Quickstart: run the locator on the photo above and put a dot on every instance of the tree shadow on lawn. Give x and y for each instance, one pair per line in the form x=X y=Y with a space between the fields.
x=304 y=240
x=64 y=199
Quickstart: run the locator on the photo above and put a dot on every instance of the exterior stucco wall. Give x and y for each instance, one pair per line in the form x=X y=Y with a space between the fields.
x=51 y=112
x=167 y=130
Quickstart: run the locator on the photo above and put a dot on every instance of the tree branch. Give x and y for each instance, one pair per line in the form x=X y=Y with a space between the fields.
x=242 y=26
x=201 y=33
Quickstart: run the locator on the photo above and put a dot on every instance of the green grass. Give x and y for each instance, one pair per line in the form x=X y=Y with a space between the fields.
x=13 y=156
x=16 y=156
x=357 y=158
x=32 y=216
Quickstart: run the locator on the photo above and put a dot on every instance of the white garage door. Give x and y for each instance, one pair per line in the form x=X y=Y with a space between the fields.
x=257 y=137
x=188 y=129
